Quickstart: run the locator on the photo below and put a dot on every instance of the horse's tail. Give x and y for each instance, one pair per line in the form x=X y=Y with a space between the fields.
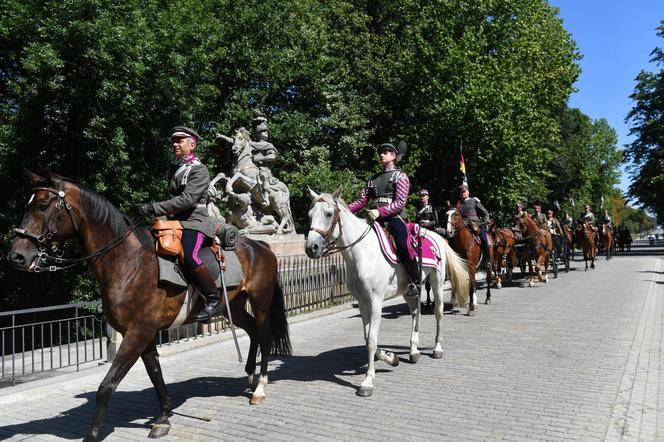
x=280 y=344
x=457 y=267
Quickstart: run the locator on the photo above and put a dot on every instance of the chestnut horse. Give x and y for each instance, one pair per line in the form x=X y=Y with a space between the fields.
x=538 y=248
x=463 y=243
x=122 y=259
x=606 y=241
x=585 y=236
x=504 y=253
x=569 y=237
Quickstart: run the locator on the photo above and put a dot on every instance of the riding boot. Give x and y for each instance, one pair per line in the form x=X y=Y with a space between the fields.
x=213 y=306
x=414 y=272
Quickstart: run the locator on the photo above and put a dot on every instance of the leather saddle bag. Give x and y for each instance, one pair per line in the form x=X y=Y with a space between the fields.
x=169 y=237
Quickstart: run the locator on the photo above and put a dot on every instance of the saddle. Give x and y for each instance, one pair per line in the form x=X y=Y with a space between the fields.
x=474 y=228
x=431 y=253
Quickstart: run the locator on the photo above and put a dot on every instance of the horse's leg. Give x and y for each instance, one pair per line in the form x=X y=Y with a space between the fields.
x=487 y=300
x=162 y=425
x=437 y=284
x=530 y=272
x=263 y=332
x=131 y=348
x=367 y=386
x=414 y=307
x=473 y=294
x=246 y=322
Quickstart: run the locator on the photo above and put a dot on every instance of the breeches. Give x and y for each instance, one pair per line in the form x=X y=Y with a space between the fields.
x=398 y=228
x=192 y=243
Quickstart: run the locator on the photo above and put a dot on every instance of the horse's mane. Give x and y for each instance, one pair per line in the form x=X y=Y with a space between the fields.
x=100 y=211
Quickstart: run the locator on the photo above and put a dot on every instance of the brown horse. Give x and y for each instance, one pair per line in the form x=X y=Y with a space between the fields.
x=569 y=237
x=606 y=241
x=504 y=252
x=538 y=248
x=464 y=244
x=585 y=236
x=123 y=261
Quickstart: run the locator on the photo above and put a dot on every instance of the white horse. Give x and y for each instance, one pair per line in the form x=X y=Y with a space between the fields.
x=372 y=279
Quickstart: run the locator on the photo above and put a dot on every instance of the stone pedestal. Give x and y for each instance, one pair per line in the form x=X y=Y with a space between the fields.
x=282 y=245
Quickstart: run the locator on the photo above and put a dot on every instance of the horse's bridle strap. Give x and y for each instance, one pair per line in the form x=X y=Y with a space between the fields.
x=43 y=241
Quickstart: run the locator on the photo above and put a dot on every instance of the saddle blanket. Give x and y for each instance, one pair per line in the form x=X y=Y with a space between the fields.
x=431 y=253
x=170 y=273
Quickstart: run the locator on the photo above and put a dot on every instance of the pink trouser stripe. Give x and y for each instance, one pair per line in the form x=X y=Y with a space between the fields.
x=197 y=248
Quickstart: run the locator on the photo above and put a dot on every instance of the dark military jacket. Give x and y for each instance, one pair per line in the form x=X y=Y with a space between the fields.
x=472 y=209
x=187 y=197
x=427 y=216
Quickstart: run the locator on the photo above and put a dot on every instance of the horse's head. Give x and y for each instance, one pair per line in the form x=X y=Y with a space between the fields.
x=523 y=222
x=242 y=141
x=324 y=222
x=51 y=216
x=454 y=221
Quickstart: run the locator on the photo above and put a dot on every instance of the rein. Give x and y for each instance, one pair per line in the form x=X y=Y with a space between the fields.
x=45 y=244
x=330 y=243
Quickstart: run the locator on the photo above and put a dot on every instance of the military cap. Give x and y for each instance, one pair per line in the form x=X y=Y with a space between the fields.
x=519 y=205
x=262 y=127
x=463 y=187
x=550 y=211
x=185 y=132
x=537 y=206
x=387 y=146
x=424 y=192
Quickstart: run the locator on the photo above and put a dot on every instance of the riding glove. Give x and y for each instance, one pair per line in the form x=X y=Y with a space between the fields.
x=373 y=214
x=144 y=209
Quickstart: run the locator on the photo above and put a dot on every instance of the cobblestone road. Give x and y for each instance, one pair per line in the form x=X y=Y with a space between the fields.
x=577 y=359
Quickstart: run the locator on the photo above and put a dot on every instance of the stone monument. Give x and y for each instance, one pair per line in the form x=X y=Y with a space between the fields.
x=259 y=203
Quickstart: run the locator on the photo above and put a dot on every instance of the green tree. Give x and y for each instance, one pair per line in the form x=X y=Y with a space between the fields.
x=647 y=124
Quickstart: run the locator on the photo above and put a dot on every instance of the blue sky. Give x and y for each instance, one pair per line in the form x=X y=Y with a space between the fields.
x=615 y=38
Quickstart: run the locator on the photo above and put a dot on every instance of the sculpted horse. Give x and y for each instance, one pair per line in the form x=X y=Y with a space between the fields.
x=586 y=238
x=372 y=279
x=504 y=252
x=122 y=259
x=245 y=173
x=463 y=243
x=538 y=248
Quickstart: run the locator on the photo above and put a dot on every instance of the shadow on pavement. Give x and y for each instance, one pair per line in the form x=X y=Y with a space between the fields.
x=128 y=406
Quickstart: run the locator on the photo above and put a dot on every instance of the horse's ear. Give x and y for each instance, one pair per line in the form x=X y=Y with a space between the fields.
x=312 y=194
x=33 y=177
x=337 y=193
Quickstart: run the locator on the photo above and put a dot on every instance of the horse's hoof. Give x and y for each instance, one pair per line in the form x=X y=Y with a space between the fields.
x=471 y=313
x=365 y=391
x=532 y=284
x=437 y=354
x=159 y=429
x=499 y=286
x=487 y=301
x=414 y=357
x=256 y=400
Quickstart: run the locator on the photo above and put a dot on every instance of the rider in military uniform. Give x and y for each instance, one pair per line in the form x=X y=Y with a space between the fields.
x=387 y=191
x=606 y=219
x=470 y=206
x=552 y=224
x=186 y=201
x=540 y=218
x=427 y=216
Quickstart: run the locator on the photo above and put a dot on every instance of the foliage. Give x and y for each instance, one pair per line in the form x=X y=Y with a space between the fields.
x=90 y=89
x=647 y=124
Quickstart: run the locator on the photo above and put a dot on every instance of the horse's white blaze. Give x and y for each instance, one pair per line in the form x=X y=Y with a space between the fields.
x=372 y=279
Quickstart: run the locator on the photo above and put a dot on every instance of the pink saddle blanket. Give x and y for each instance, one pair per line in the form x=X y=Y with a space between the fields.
x=431 y=253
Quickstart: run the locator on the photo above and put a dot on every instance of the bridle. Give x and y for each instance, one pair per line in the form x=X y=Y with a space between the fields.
x=330 y=246
x=46 y=244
